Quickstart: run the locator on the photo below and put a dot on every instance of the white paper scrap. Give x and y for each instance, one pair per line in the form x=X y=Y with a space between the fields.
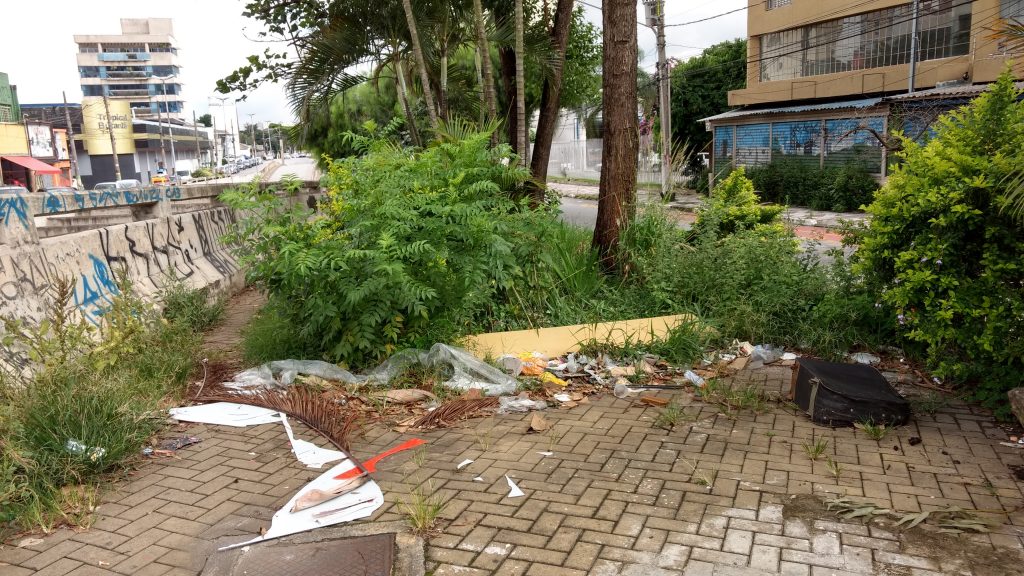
x=789 y=356
x=514 y=491
x=463 y=464
x=546 y=453
x=358 y=503
x=308 y=453
x=478 y=479
x=563 y=397
x=225 y=414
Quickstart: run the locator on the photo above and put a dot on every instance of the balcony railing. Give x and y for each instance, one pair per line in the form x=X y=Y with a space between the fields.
x=115 y=92
x=128 y=74
x=123 y=56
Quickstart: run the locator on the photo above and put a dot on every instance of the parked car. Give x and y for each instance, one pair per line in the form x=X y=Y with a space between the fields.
x=126 y=184
x=160 y=180
x=13 y=190
x=60 y=189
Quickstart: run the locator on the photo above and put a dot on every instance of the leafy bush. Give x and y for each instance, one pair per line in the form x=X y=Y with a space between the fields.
x=202 y=173
x=942 y=254
x=191 y=308
x=412 y=247
x=797 y=182
x=733 y=207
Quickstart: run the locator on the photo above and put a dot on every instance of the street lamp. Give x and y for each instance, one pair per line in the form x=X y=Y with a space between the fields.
x=224 y=115
x=170 y=133
x=252 y=134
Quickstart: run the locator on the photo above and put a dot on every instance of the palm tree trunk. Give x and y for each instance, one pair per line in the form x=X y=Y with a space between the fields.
x=617 y=195
x=520 y=85
x=508 y=85
x=484 y=49
x=550 y=99
x=417 y=51
x=403 y=97
x=442 y=97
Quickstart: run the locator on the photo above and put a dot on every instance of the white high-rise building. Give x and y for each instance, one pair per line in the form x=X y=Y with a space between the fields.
x=139 y=65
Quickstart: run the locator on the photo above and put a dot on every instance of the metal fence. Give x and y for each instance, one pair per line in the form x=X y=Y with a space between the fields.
x=581 y=159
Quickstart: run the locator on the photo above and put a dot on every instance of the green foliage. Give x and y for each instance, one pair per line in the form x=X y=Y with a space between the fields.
x=191 y=308
x=733 y=207
x=202 y=173
x=700 y=86
x=793 y=181
x=90 y=404
x=411 y=248
x=942 y=254
x=272 y=335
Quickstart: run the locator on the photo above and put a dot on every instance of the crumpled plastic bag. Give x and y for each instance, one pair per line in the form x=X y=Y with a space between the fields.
x=765 y=354
x=282 y=373
x=467 y=371
x=515 y=404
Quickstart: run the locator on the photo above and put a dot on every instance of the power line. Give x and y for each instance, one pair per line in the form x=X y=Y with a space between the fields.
x=711 y=17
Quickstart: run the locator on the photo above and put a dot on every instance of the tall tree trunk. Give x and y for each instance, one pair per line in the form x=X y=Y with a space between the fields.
x=403 y=97
x=484 y=49
x=442 y=95
x=417 y=51
x=550 y=99
x=520 y=85
x=508 y=82
x=617 y=195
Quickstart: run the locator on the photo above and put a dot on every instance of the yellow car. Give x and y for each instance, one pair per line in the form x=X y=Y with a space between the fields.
x=160 y=179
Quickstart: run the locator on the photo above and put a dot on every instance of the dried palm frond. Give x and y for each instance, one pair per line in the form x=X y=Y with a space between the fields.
x=454 y=410
x=308 y=406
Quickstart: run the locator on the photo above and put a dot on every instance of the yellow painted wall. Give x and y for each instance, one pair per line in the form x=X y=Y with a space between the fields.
x=13 y=139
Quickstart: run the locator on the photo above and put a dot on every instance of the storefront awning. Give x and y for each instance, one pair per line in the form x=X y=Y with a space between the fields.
x=32 y=164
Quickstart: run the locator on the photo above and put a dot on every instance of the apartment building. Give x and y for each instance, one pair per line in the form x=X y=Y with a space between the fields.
x=826 y=78
x=139 y=65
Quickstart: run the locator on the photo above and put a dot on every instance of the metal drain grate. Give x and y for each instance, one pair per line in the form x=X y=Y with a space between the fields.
x=362 y=556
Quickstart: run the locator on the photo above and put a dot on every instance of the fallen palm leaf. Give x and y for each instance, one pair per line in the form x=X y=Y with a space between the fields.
x=453 y=411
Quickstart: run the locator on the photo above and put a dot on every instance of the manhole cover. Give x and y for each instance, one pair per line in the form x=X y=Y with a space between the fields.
x=363 y=556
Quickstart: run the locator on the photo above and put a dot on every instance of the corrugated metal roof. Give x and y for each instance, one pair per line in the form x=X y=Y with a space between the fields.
x=962 y=90
x=843 y=105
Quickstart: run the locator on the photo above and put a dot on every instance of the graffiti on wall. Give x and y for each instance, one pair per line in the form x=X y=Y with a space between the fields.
x=95 y=290
x=14 y=210
x=56 y=202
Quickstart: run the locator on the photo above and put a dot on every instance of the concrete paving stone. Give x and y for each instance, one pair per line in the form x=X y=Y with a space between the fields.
x=11 y=570
x=60 y=567
x=51 y=555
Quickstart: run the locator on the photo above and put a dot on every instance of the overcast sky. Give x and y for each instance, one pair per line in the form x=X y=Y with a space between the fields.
x=213 y=38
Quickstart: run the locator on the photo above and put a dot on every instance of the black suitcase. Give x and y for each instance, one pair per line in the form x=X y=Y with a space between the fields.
x=836 y=394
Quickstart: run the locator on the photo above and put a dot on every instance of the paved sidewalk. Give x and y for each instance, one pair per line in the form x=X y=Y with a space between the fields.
x=618 y=496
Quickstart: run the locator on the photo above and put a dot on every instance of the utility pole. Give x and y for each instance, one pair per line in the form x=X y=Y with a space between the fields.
x=252 y=135
x=913 y=45
x=224 y=115
x=71 y=144
x=195 y=134
x=215 y=158
x=657 y=21
x=113 y=141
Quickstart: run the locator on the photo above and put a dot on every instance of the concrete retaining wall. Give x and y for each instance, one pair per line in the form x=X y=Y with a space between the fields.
x=156 y=245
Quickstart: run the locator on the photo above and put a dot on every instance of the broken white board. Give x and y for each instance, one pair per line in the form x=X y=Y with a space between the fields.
x=358 y=503
x=308 y=453
x=513 y=490
x=225 y=414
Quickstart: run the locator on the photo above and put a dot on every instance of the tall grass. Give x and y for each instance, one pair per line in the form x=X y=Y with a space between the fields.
x=91 y=400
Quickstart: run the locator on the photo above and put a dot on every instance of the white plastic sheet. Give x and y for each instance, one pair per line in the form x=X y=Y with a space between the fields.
x=225 y=414
x=308 y=453
x=358 y=503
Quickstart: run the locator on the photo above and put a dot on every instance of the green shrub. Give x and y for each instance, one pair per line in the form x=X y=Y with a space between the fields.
x=798 y=182
x=733 y=207
x=202 y=173
x=193 y=309
x=944 y=257
x=412 y=247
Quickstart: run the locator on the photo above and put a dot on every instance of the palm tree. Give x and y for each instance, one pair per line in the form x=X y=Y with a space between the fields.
x=484 y=50
x=550 y=97
x=520 y=49
x=417 y=51
x=1011 y=34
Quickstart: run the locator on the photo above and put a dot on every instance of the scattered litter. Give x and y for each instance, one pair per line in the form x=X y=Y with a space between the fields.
x=283 y=373
x=739 y=363
x=77 y=448
x=727 y=357
x=1012 y=444
x=315 y=497
x=622 y=389
x=549 y=378
x=530 y=364
x=511 y=364
x=914 y=440
x=765 y=354
x=478 y=479
x=788 y=356
x=693 y=377
x=308 y=453
x=171 y=445
x=30 y=542
x=463 y=464
x=513 y=404
x=538 y=423
x=371 y=464
x=745 y=348
x=225 y=414
x=467 y=371
x=514 y=491
x=621 y=371
x=864 y=358
x=455 y=410
x=563 y=397
x=359 y=503
x=546 y=453
x=408 y=395
x=653 y=401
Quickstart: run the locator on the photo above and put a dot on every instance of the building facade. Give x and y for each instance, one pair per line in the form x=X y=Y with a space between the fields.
x=139 y=66
x=828 y=79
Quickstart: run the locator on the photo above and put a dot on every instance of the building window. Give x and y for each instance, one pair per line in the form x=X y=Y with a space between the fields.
x=773 y=4
x=88 y=48
x=753 y=146
x=852 y=141
x=870 y=40
x=89 y=71
x=92 y=90
x=123 y=48
x=6 y=113
x=165 y=70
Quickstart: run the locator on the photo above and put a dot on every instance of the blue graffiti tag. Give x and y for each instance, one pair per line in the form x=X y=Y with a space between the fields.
x=16 y=205
x=174 y=193
x=97 y=290
x=53 y=203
